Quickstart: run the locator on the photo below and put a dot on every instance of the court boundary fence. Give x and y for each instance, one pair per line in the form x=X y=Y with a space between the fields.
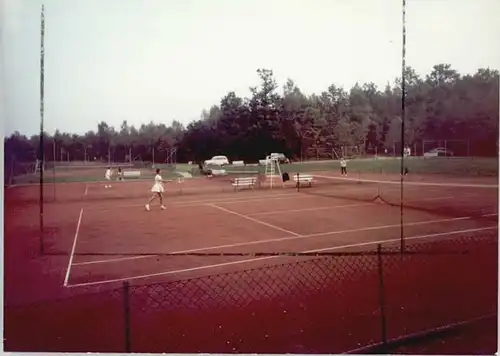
x=361 y=302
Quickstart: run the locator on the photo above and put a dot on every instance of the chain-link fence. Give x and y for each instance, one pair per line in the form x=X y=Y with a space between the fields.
x=333 y=303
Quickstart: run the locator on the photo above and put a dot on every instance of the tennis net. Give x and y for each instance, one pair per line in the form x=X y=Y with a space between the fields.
x=444 y=198
x=448 y=199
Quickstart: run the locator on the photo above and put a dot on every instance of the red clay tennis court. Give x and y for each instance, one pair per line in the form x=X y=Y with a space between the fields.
x=114 y=241
x=99 y=241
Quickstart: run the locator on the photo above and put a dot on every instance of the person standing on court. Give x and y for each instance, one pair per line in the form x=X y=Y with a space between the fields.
x=343 y=166
x=407 y=152
x=107 y=176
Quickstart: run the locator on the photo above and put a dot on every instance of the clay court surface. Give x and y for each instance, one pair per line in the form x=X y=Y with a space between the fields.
x=99 y=237
x=73 y=296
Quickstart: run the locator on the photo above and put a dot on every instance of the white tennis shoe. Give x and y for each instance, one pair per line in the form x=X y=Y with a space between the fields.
x=147 y=207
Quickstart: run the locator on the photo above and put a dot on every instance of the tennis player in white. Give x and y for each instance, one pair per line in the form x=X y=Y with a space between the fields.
x=343 y=166
x=157 y=190
x=108 y=177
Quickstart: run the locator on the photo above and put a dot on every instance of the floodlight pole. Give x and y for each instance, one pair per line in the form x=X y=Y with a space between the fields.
x=403 y=116
x=42 y=52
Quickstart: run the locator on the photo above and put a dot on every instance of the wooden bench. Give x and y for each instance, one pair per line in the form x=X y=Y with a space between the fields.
x=303 y=179
x=244 y=182
x=131 y=174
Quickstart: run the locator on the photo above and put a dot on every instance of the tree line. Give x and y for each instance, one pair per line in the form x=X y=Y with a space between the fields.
x=442 y=105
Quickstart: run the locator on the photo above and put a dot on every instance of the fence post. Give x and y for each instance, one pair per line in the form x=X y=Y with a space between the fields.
x=298 y=182
x=11 y=174
x=381 y=295
x=126 y=310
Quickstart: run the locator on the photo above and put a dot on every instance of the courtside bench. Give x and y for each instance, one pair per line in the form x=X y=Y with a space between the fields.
x=303 y=179
x=244 y=182
x=131 y=174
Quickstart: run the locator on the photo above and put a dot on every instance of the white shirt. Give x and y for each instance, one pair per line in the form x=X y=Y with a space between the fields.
x=343 y=163
x=158 y=179
x=108 y=173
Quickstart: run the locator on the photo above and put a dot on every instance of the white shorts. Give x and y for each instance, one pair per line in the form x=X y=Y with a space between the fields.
x=157 y=188
x=107 y=178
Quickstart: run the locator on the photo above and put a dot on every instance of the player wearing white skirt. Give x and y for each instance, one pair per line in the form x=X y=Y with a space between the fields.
x=157 y=190
x=108 y=177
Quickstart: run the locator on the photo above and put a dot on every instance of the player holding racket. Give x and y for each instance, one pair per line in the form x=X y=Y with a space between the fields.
x=343 y=167
x=157 y=190
x=107 y=176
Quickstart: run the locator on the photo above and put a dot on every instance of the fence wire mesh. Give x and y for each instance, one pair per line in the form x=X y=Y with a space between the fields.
x=323 y=304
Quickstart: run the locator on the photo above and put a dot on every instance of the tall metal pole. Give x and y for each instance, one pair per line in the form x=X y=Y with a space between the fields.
x=54 y=169
x=403 y=119
x=42 y=158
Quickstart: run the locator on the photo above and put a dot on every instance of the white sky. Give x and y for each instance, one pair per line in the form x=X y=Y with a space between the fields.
x=159 y=60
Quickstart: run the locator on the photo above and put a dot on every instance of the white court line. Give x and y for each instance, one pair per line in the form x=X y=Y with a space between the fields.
x=287 y=238
x=368 y=243
x=71 y=256
x=239 y=200
x=224 y=264
x=275 y=212
x=119 y=259
x=337 y=206
x=86 y=189
x=254 y=220
x=217 y=201
x=449 y=185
